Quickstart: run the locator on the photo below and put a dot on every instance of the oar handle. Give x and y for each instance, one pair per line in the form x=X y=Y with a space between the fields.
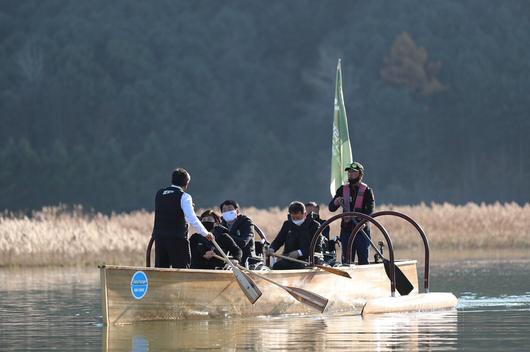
x=372 y=244
x=252 y=272
x=219 y=257
x=224 y=260
x=229 y=262
x=289 y=258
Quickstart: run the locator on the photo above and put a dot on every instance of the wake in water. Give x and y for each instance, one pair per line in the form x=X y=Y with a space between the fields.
x=473 y=301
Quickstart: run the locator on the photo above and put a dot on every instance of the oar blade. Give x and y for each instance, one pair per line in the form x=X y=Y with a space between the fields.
x=310 y=299
x=403 y=285
x=323 y=267
x=334 y=271
x=248 y=286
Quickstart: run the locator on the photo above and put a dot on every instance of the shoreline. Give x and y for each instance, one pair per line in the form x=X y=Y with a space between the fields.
x=57 y=236
x=437 y=256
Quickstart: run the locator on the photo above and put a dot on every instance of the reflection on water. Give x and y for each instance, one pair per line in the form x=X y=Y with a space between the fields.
x=46 y=309
x=59 y=309
x=411 y=332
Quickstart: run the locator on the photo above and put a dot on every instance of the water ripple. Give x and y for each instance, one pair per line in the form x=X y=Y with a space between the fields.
x=471 y=300
x=60 y=310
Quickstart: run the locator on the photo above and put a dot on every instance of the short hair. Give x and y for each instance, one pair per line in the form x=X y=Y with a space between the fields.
x=211 y=213
x=296 y=207
x=229 y=202
x=312 y=204
x=180 y=177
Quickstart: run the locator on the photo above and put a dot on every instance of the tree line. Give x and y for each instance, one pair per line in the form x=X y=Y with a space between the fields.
x=100 y=100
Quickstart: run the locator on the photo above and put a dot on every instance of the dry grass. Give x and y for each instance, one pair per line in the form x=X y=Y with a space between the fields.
x=56 y=236
x=53 y=236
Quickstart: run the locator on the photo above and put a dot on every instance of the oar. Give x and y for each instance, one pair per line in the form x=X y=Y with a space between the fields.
x=403 y=285
x=308 y=298
x=248 y=286
x=323 y=267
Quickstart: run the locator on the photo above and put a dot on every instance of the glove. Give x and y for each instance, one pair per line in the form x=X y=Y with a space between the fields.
x=208 y=255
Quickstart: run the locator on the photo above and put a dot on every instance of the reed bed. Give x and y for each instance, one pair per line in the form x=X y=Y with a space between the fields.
x=65 y=236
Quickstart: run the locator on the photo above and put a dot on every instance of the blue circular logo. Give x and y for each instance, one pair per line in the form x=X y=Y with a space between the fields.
x=139 y=285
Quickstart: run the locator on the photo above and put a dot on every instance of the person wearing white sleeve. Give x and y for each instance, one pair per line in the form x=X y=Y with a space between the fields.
x=173 y=212
x=191 y=218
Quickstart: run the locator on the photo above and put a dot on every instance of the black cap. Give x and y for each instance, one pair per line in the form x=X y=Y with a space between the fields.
x=355 y=166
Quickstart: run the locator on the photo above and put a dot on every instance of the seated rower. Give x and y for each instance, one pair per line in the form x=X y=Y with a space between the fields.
x=295 y=235
x=313 y=210
x=240 y=228
x=202 y=250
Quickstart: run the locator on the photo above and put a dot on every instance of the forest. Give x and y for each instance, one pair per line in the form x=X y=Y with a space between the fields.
x=101 y=100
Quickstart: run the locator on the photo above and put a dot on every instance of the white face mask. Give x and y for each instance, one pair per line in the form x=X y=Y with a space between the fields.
x=298 y=222
x=230 y=215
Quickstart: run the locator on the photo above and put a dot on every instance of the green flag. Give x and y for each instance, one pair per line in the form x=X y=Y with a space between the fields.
x=340 y=142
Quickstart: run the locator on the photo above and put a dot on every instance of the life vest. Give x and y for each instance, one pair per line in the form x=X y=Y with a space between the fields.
x=169 y=216
x=358 y=202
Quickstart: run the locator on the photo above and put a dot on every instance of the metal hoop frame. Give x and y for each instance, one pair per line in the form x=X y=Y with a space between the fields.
x=413 y=223
x=366 y=218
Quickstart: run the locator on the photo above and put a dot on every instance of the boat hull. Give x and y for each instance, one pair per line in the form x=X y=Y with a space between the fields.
x=174 y=294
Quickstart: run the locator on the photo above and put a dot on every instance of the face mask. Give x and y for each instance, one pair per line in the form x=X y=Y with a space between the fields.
x=208 y=225
x=298 y=222
x=230 y=215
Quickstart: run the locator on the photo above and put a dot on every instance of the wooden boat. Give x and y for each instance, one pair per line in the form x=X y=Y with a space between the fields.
x=131 y=294
x=194 y=293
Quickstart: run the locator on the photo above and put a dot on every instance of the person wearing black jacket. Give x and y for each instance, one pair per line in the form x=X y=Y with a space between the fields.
x=313 y=210
x=202 y=250
x=295 y=237
x=240 y=228
x=173 y=212
x=360 y=198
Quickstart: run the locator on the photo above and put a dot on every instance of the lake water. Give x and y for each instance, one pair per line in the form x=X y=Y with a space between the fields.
x=59 y=309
